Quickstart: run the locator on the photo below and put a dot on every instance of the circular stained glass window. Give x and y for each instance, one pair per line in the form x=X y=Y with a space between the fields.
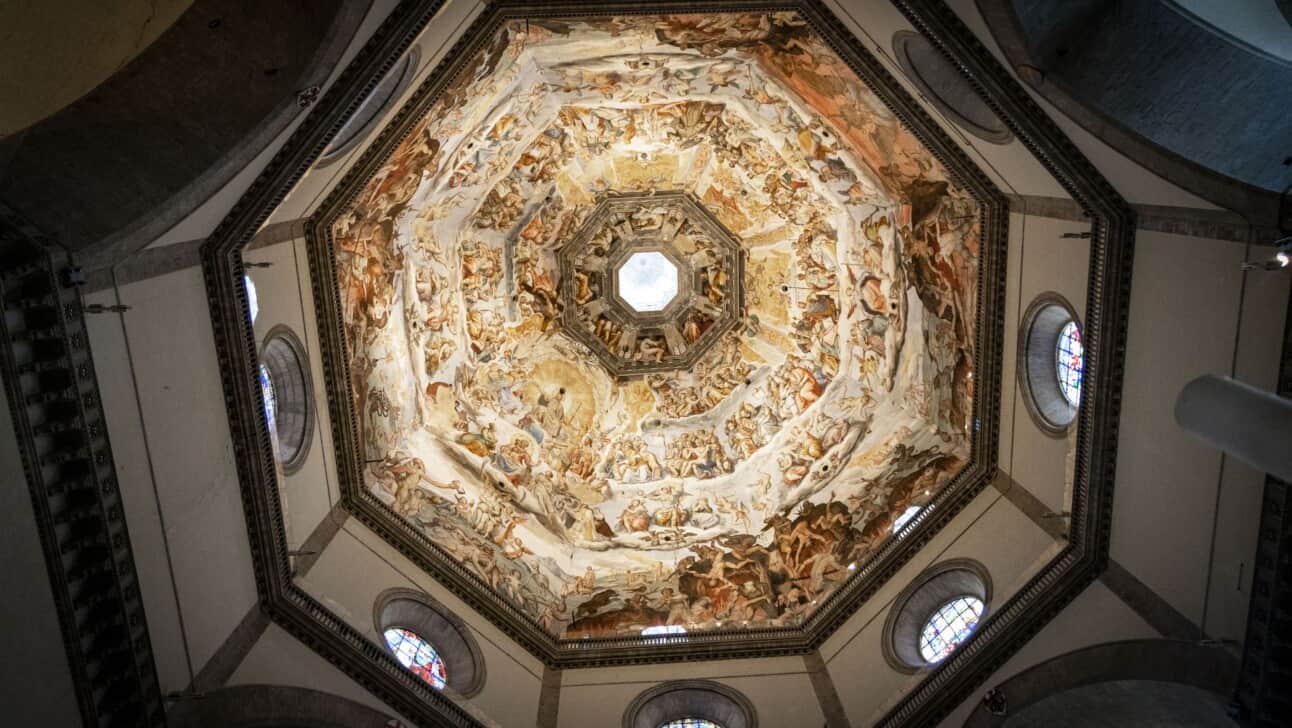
x=948 y=627
x=1068 y=363
x=417 y=655
x=690 y=723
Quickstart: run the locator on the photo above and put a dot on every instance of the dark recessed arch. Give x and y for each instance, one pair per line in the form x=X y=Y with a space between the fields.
x=679 y=699
x=115 y=169
x=1205 y=667
x=1174 y=96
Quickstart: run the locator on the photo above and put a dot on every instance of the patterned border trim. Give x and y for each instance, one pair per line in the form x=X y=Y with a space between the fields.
x=286 y=604
x=1107 y=310
x=63 y=441
x=871 y=574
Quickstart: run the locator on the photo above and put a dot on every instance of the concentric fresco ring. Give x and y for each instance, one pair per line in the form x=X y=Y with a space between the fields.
x=725 y=461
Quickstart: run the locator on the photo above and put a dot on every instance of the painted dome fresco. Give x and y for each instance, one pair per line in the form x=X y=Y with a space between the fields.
x=659 y=321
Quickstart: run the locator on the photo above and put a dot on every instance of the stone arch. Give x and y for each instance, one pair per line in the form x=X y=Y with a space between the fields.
x=679 y=699
x=1203 y=666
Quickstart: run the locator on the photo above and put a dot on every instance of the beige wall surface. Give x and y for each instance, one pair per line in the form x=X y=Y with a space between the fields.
x=164 y=400
x=1193 y=312
x=357 y=566
x=779 y=689
x=1094 y=617
x=1041 y=261
x=286 y=299
x=52 y=52
x=280 y=659
x=991 y=531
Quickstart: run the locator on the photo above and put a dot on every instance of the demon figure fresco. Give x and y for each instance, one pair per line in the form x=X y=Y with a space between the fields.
x=727 y=455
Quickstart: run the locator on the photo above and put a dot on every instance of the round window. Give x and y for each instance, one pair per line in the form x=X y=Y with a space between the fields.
x=935 y=614
x=690 y=723
x=285 y=384
x=1051 y=363
x=950 y=625
x=417 y=655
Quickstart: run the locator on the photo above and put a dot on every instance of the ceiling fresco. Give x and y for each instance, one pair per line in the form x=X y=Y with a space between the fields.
x=735 y=448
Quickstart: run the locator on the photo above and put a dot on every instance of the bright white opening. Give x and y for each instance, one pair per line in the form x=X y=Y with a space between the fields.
x=647 y=281
x=663 y=629
x=906 y=517
x=252 y=302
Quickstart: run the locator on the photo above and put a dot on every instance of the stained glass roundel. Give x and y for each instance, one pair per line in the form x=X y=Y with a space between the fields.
x=1069 y=363
x=417 y=655
x=948 y=627
x=690 y=723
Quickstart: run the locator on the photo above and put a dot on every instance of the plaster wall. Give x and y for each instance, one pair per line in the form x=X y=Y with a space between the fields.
x=357 y=566
x=434 y=43
x=779 y=689
x=38 y=687
x=1094 y=617
x=1183 y=512
x=280 y=659
x=166 y=417
x=1041 y=260
x=286 y=299
x=1009 y=165
x=70 y=48
x=992 y=531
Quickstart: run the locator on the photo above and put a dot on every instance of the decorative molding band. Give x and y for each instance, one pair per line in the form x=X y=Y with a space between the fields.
x=1190 y=221
x=63 y=440
x=549 y=698
x=1112 y=223
x=153 y=262
x=1158 y=612
x=826 y=694
x=286 y=604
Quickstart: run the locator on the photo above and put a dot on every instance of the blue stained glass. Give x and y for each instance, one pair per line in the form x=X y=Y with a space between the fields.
x=271 y=401
x=948 y=627
x=1069 y=363
x=417 y=655
x=691 y=723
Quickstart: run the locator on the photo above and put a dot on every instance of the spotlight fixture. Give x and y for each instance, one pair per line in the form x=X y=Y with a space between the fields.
x=1282 y=257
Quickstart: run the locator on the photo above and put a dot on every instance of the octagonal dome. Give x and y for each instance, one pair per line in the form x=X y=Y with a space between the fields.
x=810 y=380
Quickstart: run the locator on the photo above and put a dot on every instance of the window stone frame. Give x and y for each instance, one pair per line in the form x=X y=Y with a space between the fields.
x=293 y=391
x=902 y=45
x=921 y=599
x=407 y=67
x=680 y=699
x=448 y=635
x=1037 y=367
